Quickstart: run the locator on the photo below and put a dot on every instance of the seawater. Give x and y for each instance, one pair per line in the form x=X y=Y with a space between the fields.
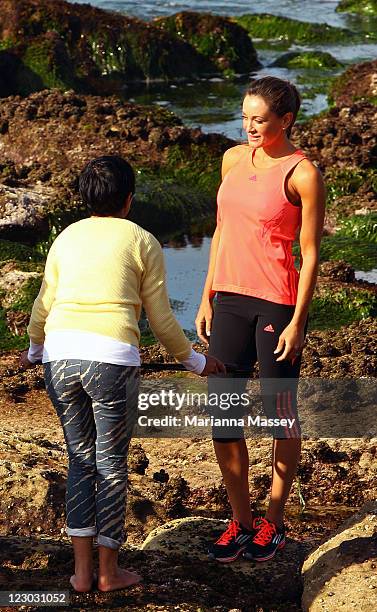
x=307 y=10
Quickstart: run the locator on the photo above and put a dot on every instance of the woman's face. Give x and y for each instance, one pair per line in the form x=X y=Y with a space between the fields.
x=262 y=126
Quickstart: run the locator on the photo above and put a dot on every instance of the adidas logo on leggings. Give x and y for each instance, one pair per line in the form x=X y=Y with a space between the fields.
x=269 y=328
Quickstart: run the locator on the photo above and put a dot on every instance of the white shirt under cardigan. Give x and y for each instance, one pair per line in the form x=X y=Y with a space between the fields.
x=73 y=344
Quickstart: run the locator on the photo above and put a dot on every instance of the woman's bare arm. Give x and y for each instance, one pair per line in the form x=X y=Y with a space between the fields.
x=307 y=181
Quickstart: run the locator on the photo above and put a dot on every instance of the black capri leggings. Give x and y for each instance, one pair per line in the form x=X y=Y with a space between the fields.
x=245 y=330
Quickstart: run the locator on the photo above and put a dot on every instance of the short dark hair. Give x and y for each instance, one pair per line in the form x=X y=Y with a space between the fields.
x=105 y=183
x=281 y=96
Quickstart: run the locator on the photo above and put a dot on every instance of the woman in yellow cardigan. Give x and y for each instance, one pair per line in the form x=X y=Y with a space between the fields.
x=99 y=273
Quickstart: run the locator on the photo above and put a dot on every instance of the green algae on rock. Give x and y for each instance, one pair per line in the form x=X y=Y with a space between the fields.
x=161 y=149
x=360 y=227
x=282 y=31
x=351 y=191
x=368 y=7
x=163 y=204
x=358 y=82
x=224 y=43
x=307 y=59
x=339 y=299
x=15 y=251
x=334 y=308
x=19 y=286
x=60 y=44
x=48 y=60
x=362 y=255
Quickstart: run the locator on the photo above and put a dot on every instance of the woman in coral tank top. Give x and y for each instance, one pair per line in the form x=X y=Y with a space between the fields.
x=270 y=194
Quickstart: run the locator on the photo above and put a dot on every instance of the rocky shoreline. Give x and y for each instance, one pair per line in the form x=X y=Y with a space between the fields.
x=62 y=70
x=170 y=480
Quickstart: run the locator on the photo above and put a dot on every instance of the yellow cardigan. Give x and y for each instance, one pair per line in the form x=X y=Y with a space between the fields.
x=99 y=272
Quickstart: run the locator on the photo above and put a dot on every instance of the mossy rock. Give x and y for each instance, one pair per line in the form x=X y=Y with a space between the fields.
x=39 y=63
x=358 y=82
x=177 y=168
x=18 y=290
x=349 y=190
x=284 y=31
x=47 y=59
x=65 y=45
x=360 y=227
x=348 y=181
x=223 y=42
x=21 y=288
x=362 y=255
x=332 y=309
x=340 y=138
x=346 y=187
x=162 y=206
x=15 y=251
x=307 y=59
x=183 y=193
x=369 y=7
x=355 y=242
x=10 y=65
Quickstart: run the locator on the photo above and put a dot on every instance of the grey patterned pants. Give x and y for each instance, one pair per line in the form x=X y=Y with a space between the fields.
x=97 y=406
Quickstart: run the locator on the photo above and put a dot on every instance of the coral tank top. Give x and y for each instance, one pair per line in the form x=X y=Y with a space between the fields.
x=257 y=227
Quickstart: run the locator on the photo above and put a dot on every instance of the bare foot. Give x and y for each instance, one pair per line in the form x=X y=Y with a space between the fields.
x=121 y=580
x=83 y=585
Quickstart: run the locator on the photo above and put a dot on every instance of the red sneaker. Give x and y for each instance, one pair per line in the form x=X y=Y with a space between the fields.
x=268 y=539
x=231 y=543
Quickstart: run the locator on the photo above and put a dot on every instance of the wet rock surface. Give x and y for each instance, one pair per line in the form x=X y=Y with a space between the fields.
x=78 y=128
x=61 y=44
x=337 y=270
x=226 y=44
x=45 y=140
x=307 y=59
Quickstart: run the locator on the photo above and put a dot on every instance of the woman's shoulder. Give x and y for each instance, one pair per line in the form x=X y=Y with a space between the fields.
x=235 y=152
x=231 y=157
x=306 y=169
x=307 y=178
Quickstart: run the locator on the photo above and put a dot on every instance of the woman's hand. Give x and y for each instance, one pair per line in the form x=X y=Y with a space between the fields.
x=203 y=321
x=291 y=342
x=25 y=364
x=213 y=366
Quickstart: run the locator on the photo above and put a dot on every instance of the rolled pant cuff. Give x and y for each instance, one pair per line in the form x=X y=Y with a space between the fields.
x=108 y=542
x=83 y=532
